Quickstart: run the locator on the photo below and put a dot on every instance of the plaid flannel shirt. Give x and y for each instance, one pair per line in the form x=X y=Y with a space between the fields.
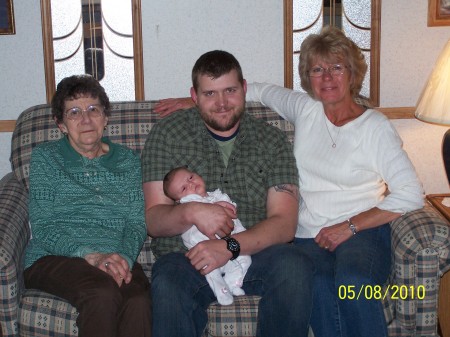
x=261 y=158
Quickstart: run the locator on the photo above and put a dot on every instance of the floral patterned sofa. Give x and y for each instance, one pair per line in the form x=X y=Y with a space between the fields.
x=420 y=241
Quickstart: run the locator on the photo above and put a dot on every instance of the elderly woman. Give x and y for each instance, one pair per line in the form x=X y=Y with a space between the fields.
x=355 y=178
x=87 y=218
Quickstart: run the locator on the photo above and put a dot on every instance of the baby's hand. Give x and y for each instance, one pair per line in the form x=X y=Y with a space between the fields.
x=229 y=206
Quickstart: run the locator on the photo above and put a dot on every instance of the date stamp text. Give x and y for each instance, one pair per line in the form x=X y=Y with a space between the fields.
x=377 y=292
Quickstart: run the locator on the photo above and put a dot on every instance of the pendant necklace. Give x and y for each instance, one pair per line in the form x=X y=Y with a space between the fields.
x=329 y=133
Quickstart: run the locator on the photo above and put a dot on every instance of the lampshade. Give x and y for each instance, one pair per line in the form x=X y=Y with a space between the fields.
x=434 y=102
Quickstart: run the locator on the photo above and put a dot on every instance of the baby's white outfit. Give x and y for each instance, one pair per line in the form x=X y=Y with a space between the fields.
x=224 y=287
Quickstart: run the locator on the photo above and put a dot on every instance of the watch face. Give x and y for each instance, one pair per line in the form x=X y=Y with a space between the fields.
x=233 y=246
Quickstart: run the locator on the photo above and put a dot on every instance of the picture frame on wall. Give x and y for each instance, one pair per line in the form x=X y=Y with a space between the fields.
x=7 y=26
x=438 y=13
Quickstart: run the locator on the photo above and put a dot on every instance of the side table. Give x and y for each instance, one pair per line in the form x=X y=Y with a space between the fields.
x=444 y=290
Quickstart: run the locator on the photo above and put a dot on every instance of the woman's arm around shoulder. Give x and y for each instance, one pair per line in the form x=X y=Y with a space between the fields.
x=288 y=103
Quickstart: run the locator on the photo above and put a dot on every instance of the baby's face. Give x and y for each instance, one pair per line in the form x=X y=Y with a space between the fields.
x=185 y=182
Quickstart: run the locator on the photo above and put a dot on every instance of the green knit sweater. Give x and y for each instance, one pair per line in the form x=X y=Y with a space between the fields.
x=79 y=206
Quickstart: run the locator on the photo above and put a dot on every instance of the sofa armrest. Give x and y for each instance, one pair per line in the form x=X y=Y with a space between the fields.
x=420 y=248
x=14 y=235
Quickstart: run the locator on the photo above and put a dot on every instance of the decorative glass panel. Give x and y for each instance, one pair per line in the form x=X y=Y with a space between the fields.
x=98 y=38
x=354 y=17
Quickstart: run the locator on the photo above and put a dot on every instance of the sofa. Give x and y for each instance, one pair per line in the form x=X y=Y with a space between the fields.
x=420 y=243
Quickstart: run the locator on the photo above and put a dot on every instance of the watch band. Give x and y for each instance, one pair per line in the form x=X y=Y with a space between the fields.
x=352 y=226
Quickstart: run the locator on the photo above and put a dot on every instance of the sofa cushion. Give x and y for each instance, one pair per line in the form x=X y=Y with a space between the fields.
x=237 y=319
x=32 y=127
x=42 y=314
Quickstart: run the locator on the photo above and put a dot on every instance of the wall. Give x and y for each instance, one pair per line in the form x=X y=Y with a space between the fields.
x=21 y=70
x=409 y=50
x=176 y=32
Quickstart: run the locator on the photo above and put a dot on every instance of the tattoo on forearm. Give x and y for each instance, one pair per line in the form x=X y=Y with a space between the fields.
x=288 y=188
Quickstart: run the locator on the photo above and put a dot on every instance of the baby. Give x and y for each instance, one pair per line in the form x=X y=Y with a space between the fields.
x=183 y=185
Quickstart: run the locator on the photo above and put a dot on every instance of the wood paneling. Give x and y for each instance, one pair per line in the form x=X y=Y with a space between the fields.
x=7 y=125
x=398 y=113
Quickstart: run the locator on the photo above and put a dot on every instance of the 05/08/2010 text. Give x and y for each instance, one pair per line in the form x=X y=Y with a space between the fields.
x=377 y=292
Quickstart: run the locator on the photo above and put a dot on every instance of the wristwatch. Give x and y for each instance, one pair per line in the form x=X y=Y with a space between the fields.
x=233 y=246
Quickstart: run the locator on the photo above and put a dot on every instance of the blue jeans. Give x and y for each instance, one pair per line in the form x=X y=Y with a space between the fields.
x=363 y=260
x=282 y=275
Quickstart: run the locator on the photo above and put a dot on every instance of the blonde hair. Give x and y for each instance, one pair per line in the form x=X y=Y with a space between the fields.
x=332 y=46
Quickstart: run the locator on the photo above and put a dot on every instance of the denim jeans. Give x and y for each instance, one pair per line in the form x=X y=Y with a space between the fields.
x=361 y=262
x=281 y=274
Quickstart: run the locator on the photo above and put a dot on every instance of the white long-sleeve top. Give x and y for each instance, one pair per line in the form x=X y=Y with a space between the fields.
x=341 y=182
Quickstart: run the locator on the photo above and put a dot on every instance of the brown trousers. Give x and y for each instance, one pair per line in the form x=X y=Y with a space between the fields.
x=105 y=309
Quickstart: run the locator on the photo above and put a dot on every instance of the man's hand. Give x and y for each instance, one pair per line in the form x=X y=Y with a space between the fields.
x=212 y=219
x=165 y=219
x=209 y=255
x=228 y=206
x=166 y=106
x=113 y=264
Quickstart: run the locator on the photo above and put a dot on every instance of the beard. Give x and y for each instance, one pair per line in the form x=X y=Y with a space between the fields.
x=221 y=124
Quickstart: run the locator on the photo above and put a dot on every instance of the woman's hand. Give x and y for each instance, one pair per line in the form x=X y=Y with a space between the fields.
x=331 y=237
x=113 y=264
x=169 y=105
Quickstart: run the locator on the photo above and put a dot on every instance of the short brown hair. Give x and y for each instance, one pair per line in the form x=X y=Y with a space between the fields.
x=76 y=86
x=215 y=64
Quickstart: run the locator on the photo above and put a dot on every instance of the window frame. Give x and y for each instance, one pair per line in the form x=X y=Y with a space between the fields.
x=49 y=61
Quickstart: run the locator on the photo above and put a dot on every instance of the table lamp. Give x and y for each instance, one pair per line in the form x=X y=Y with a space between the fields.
x=434 y=102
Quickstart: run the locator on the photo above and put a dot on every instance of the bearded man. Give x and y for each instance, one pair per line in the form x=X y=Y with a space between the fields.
x=253 y=163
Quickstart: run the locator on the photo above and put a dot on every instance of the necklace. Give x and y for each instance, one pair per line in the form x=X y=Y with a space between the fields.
x=329 y=133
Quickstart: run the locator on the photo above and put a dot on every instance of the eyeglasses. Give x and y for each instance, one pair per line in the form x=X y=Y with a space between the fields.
x=334 y=70
x=93 y=111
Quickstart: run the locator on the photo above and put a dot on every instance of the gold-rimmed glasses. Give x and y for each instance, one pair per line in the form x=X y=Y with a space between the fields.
x=93 y=111
x=334 y=70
